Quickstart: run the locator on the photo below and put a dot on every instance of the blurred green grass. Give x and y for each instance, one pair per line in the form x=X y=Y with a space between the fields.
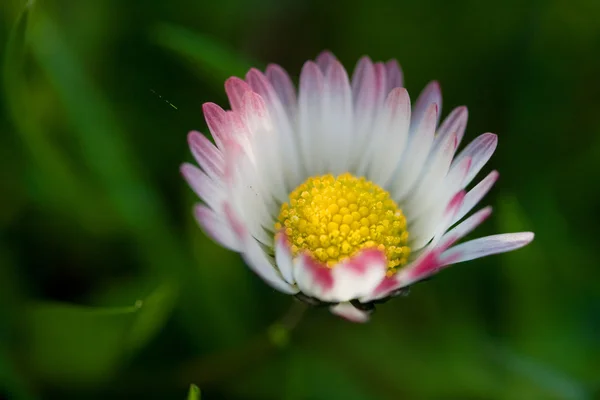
x=109 y=289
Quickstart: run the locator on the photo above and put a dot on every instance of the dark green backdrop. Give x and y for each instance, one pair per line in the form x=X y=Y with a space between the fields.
x=109 y=290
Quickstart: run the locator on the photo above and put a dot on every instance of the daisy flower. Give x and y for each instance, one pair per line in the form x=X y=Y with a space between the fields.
x=342 y=193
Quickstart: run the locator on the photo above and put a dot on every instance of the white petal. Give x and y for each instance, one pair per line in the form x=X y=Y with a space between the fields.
x=286 y=155
x=479 y=150
x=424 y=195
x=351 y=279
x=467 y=226
x=209 y=191
x=349 y=312
x=432 y=94
x=455 y=122
x=409 y=169
x=216 y=227
x=390 y=134
x=283 y=257
x=337 y=119
x=310 y=117
x=263 y=266
x=486 y=246
x=475 y=195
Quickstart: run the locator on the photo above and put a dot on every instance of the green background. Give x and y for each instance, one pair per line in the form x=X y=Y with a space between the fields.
x=108 y=289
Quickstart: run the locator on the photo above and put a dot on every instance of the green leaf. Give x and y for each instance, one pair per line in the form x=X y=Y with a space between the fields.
x=70 y=344
x=215 y=61
x=194 y=393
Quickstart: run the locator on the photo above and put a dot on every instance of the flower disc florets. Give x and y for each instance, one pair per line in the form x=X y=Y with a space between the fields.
x=333 y=218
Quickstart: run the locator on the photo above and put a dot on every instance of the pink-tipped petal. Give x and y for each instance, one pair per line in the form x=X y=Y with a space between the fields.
x=284 y=258
x=216 y=228
x=480 y=150
x=325 y=60
x=207 y=155
x=236 y=88
x=354 y=278
x=476 y=194
x=363 y=79
x=486 y=246
x=283 y=86
x=381 y=88
x=203 y=186
x=395 y=77
x=349 y=312
x=218 y=123
x=432 y=94
x=466 y=227
x=455 y=123
x=264 y=266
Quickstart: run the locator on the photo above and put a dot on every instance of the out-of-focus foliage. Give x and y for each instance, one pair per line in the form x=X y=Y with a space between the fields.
x=109 y=290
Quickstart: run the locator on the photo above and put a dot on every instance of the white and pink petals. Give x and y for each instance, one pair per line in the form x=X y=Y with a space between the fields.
x=465 y=227
x=432 y=94
x=287 y=155
x=208 y=190
x=265 y=144
x=248 y=201
x=486 y=246
x=480 y=150
x=432 y=226
x=454 y=123
x=264 y=266
x=354 y=278
x=389 y=138
x=395 y=77
x=415 y=155
x=284 y=87
x=310 y=112
x=349 y=312
x=420 y=198
x=284 y=257
x=426 y=264
x=275 y=136
x=337 y=119
x=475 y=195
x=216 y=227
x=206 y=155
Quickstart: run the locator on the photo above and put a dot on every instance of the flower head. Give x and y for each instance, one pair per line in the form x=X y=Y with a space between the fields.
x=342 y=194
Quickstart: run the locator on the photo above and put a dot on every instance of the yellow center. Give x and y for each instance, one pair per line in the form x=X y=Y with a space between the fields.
x=334 y=218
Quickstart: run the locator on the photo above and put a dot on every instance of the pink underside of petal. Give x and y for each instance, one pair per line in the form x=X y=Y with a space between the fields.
x=321 y=274
x=387 y=285
x=359 y=263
